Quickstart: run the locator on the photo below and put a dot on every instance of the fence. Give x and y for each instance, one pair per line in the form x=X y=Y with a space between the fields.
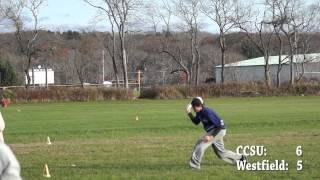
x=133 y=84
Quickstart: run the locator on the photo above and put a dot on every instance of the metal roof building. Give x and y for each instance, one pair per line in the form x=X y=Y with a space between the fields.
x=252 y=70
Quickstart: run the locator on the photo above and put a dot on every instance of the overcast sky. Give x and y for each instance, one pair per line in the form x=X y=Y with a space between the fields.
x=62 y=15
x=67 y=14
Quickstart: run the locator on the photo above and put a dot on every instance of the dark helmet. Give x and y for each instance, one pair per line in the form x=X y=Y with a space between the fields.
x=196 y=102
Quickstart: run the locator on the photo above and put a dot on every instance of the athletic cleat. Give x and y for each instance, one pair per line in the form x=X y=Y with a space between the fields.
x=193 y=166
x=244 y=158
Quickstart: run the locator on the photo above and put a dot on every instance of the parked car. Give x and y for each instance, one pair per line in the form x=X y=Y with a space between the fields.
x=107 y=84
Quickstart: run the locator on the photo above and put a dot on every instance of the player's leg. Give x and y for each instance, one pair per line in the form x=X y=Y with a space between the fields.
x=197 y=153
x=1 y=137
x=2 y=127
x=224 y=154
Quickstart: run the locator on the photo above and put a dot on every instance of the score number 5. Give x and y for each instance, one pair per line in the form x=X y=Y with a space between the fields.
x=299 y=162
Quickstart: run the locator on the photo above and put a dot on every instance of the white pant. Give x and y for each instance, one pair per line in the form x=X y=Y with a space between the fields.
x=9 y=165
x=1 y=137
x=218 y=147
x=2 y=127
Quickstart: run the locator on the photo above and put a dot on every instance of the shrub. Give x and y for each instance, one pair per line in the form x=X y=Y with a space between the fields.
x=41 y=94
x=150 y=93
x=116 y=94
x=229 y=89
x=170 y=92
x=8 y=76
x=55 y=94
x=7 y=93
x=165 y=92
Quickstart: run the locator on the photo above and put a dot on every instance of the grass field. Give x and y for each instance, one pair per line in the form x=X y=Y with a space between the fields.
x=103 y=140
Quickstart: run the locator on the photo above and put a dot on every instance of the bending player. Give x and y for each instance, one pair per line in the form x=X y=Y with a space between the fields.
x=215 y=131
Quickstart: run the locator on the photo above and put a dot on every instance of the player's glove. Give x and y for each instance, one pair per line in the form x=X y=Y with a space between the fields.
x=189 y=108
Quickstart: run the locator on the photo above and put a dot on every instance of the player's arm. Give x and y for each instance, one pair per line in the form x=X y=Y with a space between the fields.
x=194 y=119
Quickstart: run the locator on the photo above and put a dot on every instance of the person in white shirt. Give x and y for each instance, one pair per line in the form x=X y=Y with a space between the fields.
x=2 y=126
x=9 y=165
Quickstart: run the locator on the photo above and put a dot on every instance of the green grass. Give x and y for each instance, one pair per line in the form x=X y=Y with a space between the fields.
x=102 y=140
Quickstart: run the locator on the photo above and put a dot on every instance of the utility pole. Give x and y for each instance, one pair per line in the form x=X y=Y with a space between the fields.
x=163 y=72
x=102 y=66
x=163 y=77
x=32 y=76
x=139 y=80
x=46 y=69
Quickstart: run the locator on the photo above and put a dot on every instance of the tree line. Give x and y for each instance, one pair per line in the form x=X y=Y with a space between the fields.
x=174 y=32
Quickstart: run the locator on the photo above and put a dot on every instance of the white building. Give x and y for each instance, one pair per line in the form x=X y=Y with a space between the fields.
x=40 y=77
x=252 y=70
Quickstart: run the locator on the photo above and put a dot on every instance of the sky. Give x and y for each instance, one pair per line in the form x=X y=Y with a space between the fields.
x=62 y=15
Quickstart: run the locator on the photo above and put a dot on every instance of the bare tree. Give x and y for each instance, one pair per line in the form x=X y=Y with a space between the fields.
x=79 y=65
x=304 y=57
x=221 y=12
x=281 y=59
x=170 y=44
x=119 y=12
x=189 y=13
x=177 y=57
x=165 y=13
x=294 y=17
x=112 y=49
x=271 y=6
x=3 y=10
x=258 y=31
x=85 y=59
x=172 y=47
x=152 y=18
x=26 y=41
x=6 y=7
x=111 y=37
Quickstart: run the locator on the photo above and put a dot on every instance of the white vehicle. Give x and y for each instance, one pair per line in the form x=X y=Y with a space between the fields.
x=107 y=83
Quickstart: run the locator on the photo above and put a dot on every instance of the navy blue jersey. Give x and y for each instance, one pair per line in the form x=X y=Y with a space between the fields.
x=209 y=119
